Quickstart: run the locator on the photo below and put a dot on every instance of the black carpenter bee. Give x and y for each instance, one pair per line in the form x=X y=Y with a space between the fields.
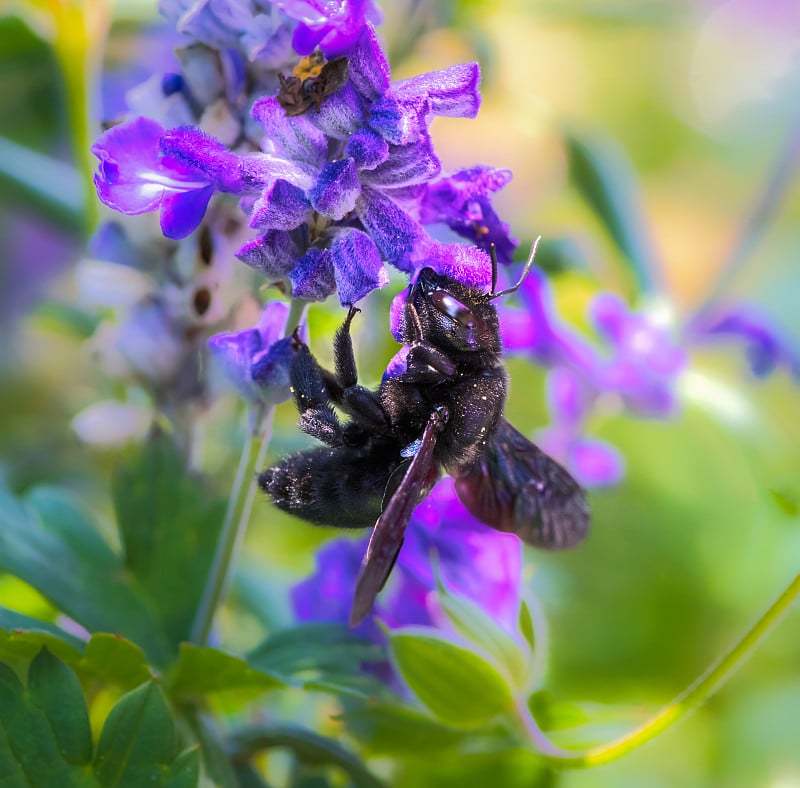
x=311 y=84
x=445 y=411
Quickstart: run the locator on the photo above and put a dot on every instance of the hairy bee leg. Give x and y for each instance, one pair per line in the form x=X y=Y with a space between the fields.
x=317 y=417
x=426 y=363
x=345 y=360
x=344 y=389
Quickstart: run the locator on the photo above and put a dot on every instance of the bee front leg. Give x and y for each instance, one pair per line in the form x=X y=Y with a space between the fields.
x=427 y=364
x=317 y=417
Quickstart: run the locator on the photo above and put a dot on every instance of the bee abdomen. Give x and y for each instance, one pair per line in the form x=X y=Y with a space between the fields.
x=329 y=487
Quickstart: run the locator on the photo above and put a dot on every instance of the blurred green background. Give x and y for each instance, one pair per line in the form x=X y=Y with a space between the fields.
x=702 y=533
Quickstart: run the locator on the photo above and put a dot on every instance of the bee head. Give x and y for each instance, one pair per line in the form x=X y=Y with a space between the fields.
x=451 y=315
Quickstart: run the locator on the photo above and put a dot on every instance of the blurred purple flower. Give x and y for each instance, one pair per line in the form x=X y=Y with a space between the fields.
x=256 y=361
x=259 y=29
x=471 y=559
x=331 y=25
x=765 y=348
x=637 y=360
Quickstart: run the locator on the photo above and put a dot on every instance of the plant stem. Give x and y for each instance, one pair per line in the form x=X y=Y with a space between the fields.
x=687 y=701
x=237 y=516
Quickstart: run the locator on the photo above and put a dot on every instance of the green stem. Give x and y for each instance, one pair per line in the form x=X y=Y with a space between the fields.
x=237 y=516
x=687 y=701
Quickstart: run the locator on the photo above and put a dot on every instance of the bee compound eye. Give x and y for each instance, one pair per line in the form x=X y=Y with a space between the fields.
x=449 y=305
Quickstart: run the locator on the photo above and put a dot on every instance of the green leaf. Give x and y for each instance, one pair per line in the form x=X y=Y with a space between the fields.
x=203 y=670
x=11 y=621
x=308 y=747
x=320 y=650
x=55 y=689
x=390 y=729
x=169 y=529
x=185 y=769
x=526 y=627
x=108 y=658
x=786 y=502
x=138 y=740
x=30 y=753
x=476 y=626
x=603 y=176
x=51 y=544
x=457 y=685
x=114 y=660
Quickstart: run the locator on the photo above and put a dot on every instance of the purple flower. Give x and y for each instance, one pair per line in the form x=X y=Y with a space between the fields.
x=636 y=361
x=256 y=361
x=331 y=25
x=461 y=201
x=144 y=168
x=765 y=348
x=262 y=33
x=642 y=363
x=472 y=560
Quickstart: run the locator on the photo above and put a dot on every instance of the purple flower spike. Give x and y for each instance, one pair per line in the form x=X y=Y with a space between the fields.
x=393 y=230
x=401 y=115
x=144 y=168
x=332 y=25
x=357 y=266
x=256 y=361
x=335 y=193
x=283 y=207
x=274 y=254
x=313 y=276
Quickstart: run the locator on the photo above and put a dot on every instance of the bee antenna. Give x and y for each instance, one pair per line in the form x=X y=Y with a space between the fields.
x=493 y=255
x=525 y=271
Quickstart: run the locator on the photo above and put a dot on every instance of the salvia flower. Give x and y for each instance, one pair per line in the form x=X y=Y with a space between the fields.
x=764 y=346
x=257 y=360
x=331 y=25
x=144 y=168
x=336 y=191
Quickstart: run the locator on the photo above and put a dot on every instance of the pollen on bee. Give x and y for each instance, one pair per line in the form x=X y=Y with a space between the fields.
x=483 y=398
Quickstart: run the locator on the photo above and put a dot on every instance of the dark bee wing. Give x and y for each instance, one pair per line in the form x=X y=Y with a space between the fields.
x=516 y=487
x=389 y=532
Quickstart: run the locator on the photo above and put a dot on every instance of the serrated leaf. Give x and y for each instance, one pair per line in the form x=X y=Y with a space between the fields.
x=390 y=729
x=137 y=741
x=56 y=691
x=603 y=176
x=457 y=685
x=476 y=626
x=203 y=670
x=51 y=544
x=169 y=529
